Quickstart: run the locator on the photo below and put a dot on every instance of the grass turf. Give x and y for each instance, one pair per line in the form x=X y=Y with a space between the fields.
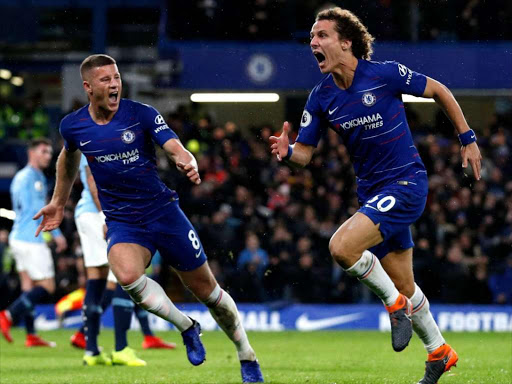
x=285 y=357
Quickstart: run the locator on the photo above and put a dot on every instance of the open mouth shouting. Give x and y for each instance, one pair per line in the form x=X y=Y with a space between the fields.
x=113 y=97
x=320 y=58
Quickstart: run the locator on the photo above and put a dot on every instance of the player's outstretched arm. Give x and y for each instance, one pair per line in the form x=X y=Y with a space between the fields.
x=445 y=99
x=67 y=169
x=298 y=154
x=184 y=160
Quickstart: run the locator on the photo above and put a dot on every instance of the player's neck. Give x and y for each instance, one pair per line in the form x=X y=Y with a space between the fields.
x=100 y=115
x=344 y=73
x=34 y=165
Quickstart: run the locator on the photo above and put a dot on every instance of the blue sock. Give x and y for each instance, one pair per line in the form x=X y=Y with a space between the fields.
x=123 y=306
x=142 y=315
x=92 y=314
x=25 y=303
x=106 y=300
x=29 y=322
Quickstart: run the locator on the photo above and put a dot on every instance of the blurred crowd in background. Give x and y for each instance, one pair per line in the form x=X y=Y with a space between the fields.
x=403 y=20
x=266 y=227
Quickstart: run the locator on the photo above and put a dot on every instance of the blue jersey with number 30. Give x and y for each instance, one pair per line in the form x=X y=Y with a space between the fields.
x=370 y=118
x=121 y=157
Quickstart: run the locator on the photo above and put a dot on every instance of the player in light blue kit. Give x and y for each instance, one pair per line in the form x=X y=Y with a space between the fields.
x=33 y=257
x=117 y=137
x=361 y=101
x=90 y=223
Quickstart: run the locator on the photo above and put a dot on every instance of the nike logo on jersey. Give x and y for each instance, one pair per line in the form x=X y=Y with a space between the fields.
x=305 y=324
x=82 y=143
x=473 y=136
x=198 y=254
x=334 y=110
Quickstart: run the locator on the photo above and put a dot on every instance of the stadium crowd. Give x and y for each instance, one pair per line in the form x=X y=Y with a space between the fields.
x=266 y=227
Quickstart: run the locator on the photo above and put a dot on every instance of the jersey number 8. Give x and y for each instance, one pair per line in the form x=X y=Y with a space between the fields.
x=193 y=239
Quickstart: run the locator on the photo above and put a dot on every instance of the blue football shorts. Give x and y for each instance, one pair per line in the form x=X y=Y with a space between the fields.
x=172 y=234
x=395 y=207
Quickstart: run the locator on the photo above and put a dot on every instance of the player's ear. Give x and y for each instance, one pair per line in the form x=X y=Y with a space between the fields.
x=87 y=87
x=346 y=44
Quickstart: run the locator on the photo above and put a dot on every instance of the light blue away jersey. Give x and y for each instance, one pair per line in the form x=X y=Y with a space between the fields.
x=370 y=118
x=121 y=157
x=86 y=202
x=28 y=196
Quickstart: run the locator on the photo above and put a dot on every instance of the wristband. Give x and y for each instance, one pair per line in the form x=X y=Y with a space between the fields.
x=467 y=138
x=289 y=154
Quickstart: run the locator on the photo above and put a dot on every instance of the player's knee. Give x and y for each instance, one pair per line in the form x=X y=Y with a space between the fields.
x=340 y=252
x=405 y=287
x=127 y=276
x=203 y=287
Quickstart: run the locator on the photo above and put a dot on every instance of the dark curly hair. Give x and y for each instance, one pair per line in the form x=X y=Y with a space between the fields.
x=350 y=27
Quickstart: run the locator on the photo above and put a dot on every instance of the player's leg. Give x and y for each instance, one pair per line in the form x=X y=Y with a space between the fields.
x=441 y=357
x=122 y=307
x=26 y=286
x=150 y=340
x=78 y=338
x=94 y=247
x=128 y=262
x=35 y=264
x=203 y=285
x=349 y=245
x=91 y=310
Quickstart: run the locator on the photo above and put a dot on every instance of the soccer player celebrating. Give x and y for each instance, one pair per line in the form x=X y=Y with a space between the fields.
x=34 y=260
x=90 y=223
x=361 y=101
x=142 y=215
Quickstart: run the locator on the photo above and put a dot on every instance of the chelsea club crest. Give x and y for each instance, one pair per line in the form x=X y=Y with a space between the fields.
x=128 y=136
x=369 y=99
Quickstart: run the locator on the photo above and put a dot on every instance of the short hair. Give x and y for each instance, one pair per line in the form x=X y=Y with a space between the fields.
x=351 y=28
x=95 y=61
x=34 y=143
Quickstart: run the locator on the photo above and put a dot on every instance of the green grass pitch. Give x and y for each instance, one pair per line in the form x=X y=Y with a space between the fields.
x=285 y=357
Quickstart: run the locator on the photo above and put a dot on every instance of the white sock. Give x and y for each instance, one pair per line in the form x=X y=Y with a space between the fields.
x=149 y=295
x=370 y=272
x=224 y=311
x=423 y=323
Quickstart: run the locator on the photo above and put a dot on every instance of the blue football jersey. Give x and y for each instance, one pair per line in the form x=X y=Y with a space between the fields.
x=28 y=196
x=121 y=157
x=370 y=118
x=86 y=202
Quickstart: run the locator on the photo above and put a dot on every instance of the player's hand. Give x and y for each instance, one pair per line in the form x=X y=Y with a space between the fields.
x=61 y=244
x=191 y=172
x=52 y=217
x=280 y=144
x=471 y=154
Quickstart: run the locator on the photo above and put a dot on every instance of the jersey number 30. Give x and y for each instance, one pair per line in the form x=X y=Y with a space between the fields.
x=383 y=205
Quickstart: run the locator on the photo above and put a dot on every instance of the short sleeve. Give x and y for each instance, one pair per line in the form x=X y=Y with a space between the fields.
x=404 y=80
x=312 y=125
x=155 y=124
x=65 y=133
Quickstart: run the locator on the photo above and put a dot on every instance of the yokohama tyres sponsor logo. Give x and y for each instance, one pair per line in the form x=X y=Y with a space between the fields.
x=361 y=121
x=116 y=156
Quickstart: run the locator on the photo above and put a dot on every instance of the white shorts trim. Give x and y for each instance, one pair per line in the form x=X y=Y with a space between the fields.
x=94 y=246
x=33 y=258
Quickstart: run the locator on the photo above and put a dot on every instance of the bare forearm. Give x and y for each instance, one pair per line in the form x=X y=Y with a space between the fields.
x=67 y=169
x=301 y=155
x=178 y=153
x=445 y=99
x=93 y=189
